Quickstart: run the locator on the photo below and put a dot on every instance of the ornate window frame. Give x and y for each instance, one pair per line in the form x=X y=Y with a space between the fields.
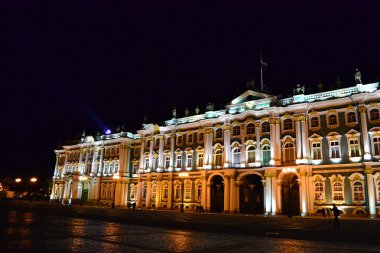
x=320 y=180
x=287 y=120
x=218 y=151
x=178 y=160
x=200 y=153
x=285 y=141
x=315 y=138
x=249 y=128
x=337 y=179
x=354 y=179
x=189 y=153
x=377 y=185
x=165 y=190
x=370 y=111
x=154 y=192
x=177 y=190
x=331 y=113
x=187 y=194
x=249 y=144
x=167 y=159
x=350 y=110
x=375 y=134
x=199 y=139
x=353 y=135
x=219 y=133
x=190 y=134
x=334 y=137
x=236 y=149
x=265 y=125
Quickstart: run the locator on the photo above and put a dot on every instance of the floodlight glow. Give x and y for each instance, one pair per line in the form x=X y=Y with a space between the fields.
x=108 y=131
x=183 y=174
x=18 y=180
x=33 y=180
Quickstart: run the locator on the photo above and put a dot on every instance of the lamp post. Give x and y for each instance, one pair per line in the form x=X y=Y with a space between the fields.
x=288 y=171
x=82 y=179
x=182 y=175
x=17 y=181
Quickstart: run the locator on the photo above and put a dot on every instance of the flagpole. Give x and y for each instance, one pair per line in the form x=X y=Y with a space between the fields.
x=261 y=70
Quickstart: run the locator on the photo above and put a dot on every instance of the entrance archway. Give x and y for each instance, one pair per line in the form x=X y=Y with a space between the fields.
x=217 y=194
x=251 y=194
x=86 y=189
x=290 y=195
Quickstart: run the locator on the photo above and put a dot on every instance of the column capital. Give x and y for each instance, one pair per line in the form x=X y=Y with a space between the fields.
x=368 y=171
x=227 y=127
x=362 y=108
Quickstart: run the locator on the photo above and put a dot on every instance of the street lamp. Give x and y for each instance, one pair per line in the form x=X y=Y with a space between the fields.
x=183 y=175
x=287 y=171
x=82 y=179
x=116 y=177
x=17 y=181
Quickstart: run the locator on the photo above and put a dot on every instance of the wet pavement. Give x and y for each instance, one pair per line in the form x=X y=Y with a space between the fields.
x=47 y=228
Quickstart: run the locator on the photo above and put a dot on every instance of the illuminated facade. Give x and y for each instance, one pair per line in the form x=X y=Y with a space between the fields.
x=260 y=154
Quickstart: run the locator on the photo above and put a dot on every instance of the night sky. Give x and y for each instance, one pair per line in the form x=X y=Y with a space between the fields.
x=66 y=66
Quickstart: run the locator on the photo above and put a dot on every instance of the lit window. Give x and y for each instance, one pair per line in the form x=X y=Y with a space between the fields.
x=166 y=192
x=251 y=154
x=316 y=151
x=190 y=138
x=354 y=148
x=154 y=191
x=146 y=163
x=134 y=168
x=351 y=117
x=338 y=191
x=289 y=153
x=218 y=133
x=167 y=162
x=374 y=114
x=133 y=192
x=236 y=156
x=314 y=122
x=200 y=160
x=188 y=191
x=236 y=130
x=177 y=192
x=358 y=191
x=198 y=191
x=179 y=161
x=144 y=192
x=376 y=146
x=334 y=149
x=218 y=156
x=250 y=128
x=319 y=192
x=288 y=124
x=266 y=154
x=189 y=160
x=155 y=163
x=332 y=120
x=265 y=127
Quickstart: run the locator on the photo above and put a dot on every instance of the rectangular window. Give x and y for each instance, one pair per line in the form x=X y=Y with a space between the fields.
x=146 y=163
x=179 y=140
x=179 y=161
x=177 y=192
x=200 y=160
x=167 y=162
x=317 y=154
x=335 y=150
x=190 y=138
x=354 y=148
x=166 y=192
x=189 y=161
x=201 y=136
x=134 y=168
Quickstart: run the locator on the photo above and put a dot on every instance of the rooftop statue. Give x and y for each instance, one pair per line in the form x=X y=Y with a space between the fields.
x=358 y=76
x=210 y=107
x=299 y=90
x=174 y=113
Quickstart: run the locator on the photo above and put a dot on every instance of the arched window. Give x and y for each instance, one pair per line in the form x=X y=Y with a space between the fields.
x=358 y=191
x=218 y=157
x=265 y=154
x=319 y=191
x=374 y=114
x=177 y=191
x=338 y=191
x=289 y=156
x=332 y=119
x=179 y=140
x=132 y=195
x=190 y=138
x=351 y=117
x=250 y=128
x=236 y=130
x=251 y=154
x=188 y=191
x=236 y=156
x=219 y=133
x=198 y=192
x=144 y=191
x=154 y=191
x=314 y=122
x=265 y=127
x=165 y=192
x=288 y=124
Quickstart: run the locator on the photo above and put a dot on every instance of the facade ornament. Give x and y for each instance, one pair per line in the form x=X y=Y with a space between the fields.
x=368 y=171
x=358 y=76
x=362 y=108
x=209 y=107
x=299 y=90
x=187 y=112
x=197 y=109
x=174 y=112
x=118 y=129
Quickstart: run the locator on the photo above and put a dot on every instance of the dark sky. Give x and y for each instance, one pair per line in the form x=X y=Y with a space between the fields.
x=66 y=66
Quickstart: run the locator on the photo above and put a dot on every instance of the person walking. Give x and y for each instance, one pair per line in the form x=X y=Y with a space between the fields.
x=336 y=215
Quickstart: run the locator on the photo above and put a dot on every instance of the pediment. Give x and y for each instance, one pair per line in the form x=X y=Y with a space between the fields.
x=249 y=95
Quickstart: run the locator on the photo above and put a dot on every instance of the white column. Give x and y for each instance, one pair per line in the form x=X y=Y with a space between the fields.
x=258 y=144
x=86 y=161
x=364 y=128
x=371 y=193
x=226 y=194
x=278 y=142
x=100 y=169
x=206 y=140
x=151 y=143
x=273 y=146
x=65 y=165
x=97 y=188
x=227 y=148
x=268 y=200
x=80 y=166
x=148 y=192
x=243 y=153
x=161 y=153
x=56 y=167
x=210 y=142
x=303 y=194
x=305 y=141
x=142 y=149
x=299 y=142
x=93 y=165
x=172 y=149
x=274 y=194
x=139 y=191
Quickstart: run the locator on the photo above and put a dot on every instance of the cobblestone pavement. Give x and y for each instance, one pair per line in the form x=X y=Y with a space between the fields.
x=44 y=227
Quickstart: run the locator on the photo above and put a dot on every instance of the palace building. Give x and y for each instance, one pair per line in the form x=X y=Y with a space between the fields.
x=260 y=154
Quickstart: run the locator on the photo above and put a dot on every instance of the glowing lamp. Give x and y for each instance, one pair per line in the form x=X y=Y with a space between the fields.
x=18 y=180
x=108 y=131
x=33 y=180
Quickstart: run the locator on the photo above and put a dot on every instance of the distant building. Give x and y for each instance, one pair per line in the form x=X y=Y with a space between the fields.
x=259 y=154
